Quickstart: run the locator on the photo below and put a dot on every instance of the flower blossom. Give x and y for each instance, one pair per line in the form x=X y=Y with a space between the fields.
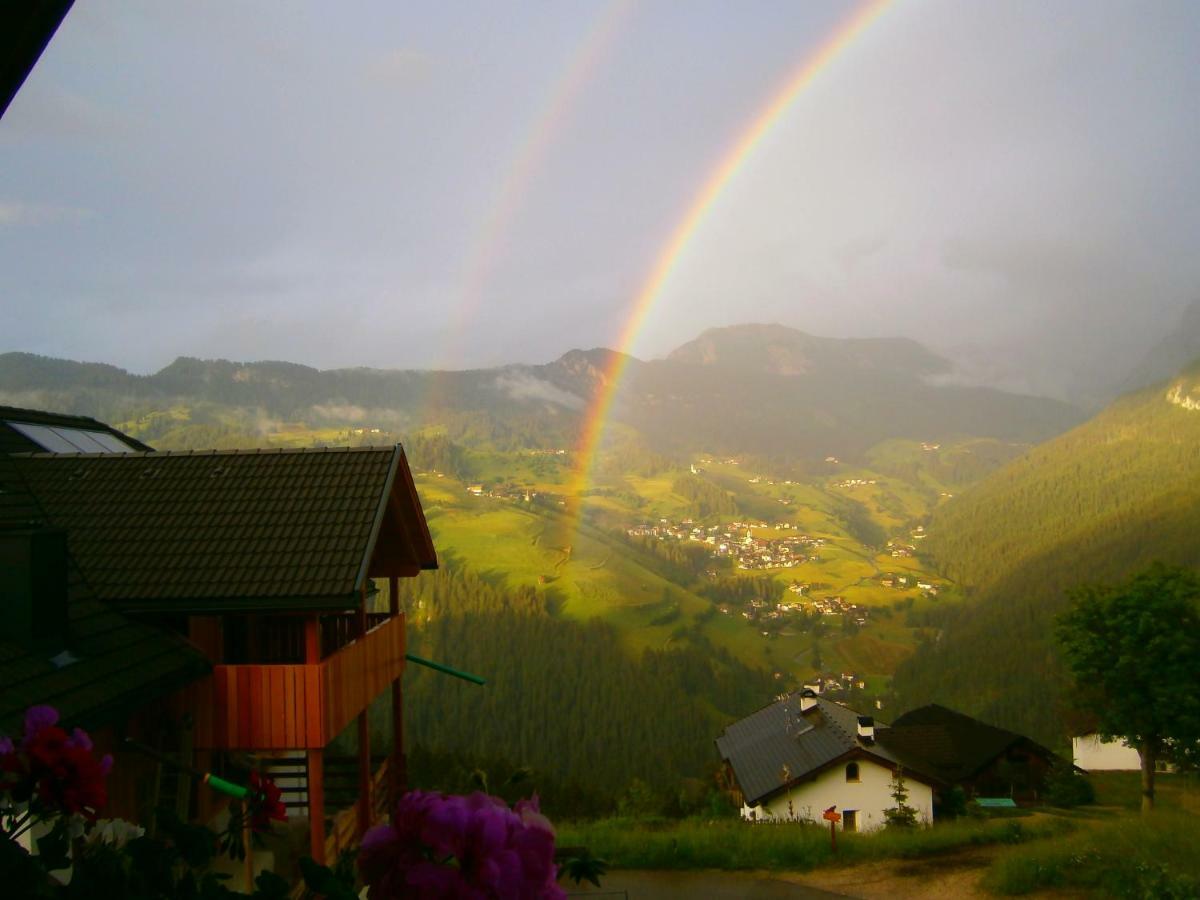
x=54 y=771
x=265 y=803
x=474 y=846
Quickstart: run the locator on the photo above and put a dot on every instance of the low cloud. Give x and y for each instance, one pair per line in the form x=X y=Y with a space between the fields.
x=34 y=214
x=527 y=387
x=852 y=253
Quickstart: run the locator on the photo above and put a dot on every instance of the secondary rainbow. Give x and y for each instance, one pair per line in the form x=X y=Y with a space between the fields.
x=552 y=116
x=742 y=148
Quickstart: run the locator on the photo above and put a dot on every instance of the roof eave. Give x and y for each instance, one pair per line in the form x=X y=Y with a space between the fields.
x=203 y=605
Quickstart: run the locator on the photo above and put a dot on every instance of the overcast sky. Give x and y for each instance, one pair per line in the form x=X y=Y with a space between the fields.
x=468 y=184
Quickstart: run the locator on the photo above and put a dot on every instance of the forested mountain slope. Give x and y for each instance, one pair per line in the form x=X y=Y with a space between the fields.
x=756 y=389
x=1095 y=504
x=563 y=697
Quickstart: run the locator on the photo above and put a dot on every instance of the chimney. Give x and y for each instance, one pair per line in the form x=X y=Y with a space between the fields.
x=866 y=729
x=33 y=587
x=808 y=700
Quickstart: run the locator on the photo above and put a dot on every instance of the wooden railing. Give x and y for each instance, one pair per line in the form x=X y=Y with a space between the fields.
x=295 y=706
x=343 y=833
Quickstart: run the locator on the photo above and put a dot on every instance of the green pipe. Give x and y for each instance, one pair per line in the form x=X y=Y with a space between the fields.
x=226 y=787
x=217 y=784
x=446 y=670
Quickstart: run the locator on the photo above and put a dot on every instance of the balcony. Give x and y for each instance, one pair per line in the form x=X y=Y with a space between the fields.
x=293 y=706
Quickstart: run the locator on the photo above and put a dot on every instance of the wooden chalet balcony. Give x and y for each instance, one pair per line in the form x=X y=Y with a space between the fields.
x=293 y=706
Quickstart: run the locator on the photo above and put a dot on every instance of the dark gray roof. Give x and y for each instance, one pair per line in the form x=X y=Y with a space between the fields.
x=778 y=745
x=191 y=532
x=120 y=663
x=950 y=746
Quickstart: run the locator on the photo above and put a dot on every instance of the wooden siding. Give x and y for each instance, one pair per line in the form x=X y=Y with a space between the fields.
x=293 y=707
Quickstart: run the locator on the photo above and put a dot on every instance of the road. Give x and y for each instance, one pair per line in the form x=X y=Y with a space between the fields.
x=710 y=885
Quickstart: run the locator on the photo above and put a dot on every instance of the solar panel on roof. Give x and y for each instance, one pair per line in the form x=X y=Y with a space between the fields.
x=71 y=440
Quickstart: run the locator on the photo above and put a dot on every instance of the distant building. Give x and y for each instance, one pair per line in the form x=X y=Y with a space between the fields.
x=1093 y=754
x=800 y=755
x=803 y=754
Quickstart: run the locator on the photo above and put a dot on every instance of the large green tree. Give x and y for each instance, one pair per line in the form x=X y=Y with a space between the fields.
x=1134 y=651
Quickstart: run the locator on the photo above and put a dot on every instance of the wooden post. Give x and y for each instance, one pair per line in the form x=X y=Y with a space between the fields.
x=399 y=765
x=365 y=808
x=316 y=805
x=315 y=757
x=248 y=847
x=312 y=640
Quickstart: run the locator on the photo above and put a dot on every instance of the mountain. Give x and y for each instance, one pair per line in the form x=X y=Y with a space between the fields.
x=779 y=350
x=1173 y=353
x=756 y=389
x=773 y=390
x=1092 y=505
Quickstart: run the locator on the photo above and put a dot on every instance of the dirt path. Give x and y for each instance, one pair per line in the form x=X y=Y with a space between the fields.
x=944 y=877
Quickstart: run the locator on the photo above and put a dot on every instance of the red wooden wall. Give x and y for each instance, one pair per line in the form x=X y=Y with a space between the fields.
x=292 y=707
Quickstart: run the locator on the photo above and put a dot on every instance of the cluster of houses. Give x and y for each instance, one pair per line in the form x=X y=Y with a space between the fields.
x=854 y=482
x=900 y=550
x=838 y=606
x=509 y=492
x=758 y=610
x=737 y=541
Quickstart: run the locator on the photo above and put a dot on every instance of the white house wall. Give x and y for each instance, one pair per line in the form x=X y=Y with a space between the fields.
x=1094 y=755
x=870 y=796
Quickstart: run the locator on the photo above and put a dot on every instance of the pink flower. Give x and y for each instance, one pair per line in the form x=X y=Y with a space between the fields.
x=450 y=846
x=55 y=772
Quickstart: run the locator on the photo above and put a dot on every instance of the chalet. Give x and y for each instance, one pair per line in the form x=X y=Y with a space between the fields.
x=802 y=754
x=213 y=606
x=956 y=750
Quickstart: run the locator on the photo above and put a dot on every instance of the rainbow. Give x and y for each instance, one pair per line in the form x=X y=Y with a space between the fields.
x=743 y=147
x=552 y=116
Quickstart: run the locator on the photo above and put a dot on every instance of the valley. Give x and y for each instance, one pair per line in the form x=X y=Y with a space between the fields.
x=709 y=561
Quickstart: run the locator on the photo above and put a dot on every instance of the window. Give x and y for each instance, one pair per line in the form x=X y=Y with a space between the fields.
x=852 y=772
x=71 y=440
x=850 y=818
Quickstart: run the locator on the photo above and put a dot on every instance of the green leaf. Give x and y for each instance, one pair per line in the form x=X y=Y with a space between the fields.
x=54 y=848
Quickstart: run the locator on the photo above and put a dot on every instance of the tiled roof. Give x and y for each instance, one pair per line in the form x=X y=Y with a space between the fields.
x=119 y=663
x=778 y=745
x=228 y=529
x=949 y=745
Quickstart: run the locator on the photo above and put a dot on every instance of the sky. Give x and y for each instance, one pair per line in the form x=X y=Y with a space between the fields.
x=471 y=184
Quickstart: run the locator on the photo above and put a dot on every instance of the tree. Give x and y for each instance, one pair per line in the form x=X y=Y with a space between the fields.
x=901 y=815
x=1134 y=652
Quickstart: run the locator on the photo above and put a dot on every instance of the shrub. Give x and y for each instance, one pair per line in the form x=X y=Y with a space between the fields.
x=1067 y=788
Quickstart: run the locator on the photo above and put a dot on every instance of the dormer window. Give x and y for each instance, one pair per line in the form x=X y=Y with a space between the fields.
x=852 y=772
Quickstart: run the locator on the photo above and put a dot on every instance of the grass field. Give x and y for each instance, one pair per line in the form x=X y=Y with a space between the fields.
x=1115 y=851
x=732 y=844
x=590 y=574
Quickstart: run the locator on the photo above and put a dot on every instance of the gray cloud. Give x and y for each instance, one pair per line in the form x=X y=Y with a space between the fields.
x=520 y=386
x=230 y=182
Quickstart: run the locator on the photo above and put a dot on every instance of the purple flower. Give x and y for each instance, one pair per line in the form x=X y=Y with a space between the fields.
x=6 y=746
x=458 y=847
x=37 y=718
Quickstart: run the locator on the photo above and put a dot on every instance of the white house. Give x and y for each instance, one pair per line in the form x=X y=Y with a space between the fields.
x=1095 y=755
x=801 y=755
